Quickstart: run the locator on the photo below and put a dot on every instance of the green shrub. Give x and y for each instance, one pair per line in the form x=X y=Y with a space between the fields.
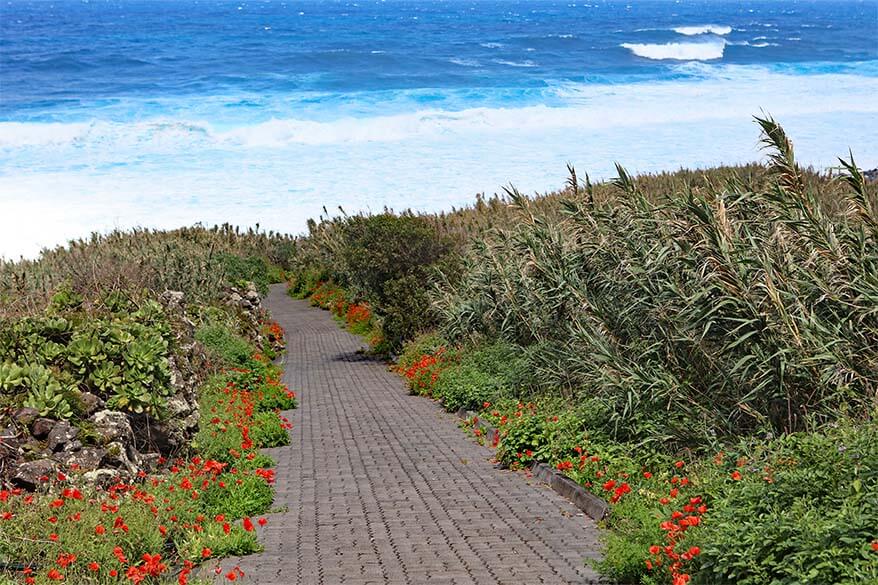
x=302 y=283
x=242 y=496
x=480 y=374
x=383 y=259
x=224 y=345
x=118 y=350
x=274 y=397
x=420 y=345
x=267 y=430
x=805 y=511
x=240 y=270
x=465 y=386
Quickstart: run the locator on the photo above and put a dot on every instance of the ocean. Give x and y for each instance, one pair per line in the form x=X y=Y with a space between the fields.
x=161 y=113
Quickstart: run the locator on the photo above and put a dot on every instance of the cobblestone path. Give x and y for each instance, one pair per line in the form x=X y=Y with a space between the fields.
x=381 y=487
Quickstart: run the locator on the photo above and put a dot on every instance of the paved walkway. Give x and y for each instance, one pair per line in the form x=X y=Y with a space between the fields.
x=383 y=487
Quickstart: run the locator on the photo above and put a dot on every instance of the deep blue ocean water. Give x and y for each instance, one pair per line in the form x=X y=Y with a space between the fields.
x=161 y=112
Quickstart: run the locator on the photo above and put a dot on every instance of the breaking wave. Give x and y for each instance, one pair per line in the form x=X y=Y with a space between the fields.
x=701 y=51
x=713 y=29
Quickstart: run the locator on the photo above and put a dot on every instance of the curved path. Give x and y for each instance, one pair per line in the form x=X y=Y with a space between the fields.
x=382 y=487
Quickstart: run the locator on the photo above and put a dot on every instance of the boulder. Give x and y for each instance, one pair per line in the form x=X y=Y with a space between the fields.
x=25 y=416
x=86 y=459
x=102 y=477
x=112 y=425
x=119 y=456
x=90 y=402
x=41 y=427
x=31 y=474
x=72 y=446
x=61 y=434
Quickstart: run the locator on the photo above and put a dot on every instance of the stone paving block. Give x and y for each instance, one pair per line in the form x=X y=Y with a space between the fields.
x=383 y=487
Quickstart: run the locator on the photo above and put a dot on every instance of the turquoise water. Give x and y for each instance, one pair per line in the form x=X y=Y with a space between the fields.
x=158 y=113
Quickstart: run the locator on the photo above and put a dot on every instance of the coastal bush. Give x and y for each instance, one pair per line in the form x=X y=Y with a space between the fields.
x=224 y=345
x=242 y=269
x=118 y=351
x=804 y=510
x=701 y=315
x=302 y=283
x=385 y=260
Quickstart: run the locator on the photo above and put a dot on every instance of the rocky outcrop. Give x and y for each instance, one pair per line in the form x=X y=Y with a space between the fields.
x=112 y=425
x=248 y=305
x=31 y=474
x=104 y=444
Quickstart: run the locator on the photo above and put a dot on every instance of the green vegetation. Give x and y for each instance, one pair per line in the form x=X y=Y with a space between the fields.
x=137 y=341
x=699 y=348
x=224 y=345
x=383 y=260
x=200 y=262
x=117 y=350
x=95 y=536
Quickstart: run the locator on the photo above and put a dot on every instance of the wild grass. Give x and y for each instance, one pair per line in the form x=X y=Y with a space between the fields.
x=742 y=306
x=196 y=260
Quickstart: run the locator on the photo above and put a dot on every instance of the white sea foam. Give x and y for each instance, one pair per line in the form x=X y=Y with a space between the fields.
x=695 y=51
x=714 y=29
x=491 y=45
x=65 y=180
x=508 y=63
x=464 y=62
x=724 y=89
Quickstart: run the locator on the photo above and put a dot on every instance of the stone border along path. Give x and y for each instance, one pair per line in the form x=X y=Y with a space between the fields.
x=379 y=486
